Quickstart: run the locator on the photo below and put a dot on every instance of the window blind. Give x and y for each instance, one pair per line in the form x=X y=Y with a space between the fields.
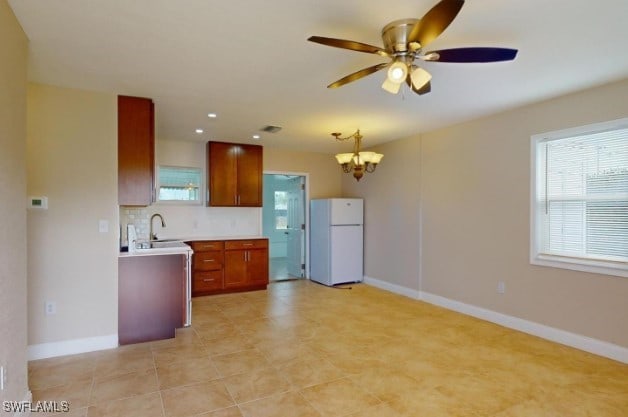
x=582 y=195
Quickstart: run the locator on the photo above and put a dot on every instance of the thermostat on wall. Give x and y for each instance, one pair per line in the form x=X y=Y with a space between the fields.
x=38 y=203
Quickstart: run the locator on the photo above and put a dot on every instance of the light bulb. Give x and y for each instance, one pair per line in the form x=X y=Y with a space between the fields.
x=397 y=72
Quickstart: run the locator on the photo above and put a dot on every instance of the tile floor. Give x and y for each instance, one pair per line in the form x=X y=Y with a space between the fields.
x=303 y=350
x=278 y=270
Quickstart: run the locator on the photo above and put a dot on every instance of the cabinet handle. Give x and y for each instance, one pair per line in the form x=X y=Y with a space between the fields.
x=208 y=280
x=208 y=260
x=235 y=200
x=247 y=244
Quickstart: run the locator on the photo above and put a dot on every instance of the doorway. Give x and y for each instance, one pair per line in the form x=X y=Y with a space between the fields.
x=283 y=222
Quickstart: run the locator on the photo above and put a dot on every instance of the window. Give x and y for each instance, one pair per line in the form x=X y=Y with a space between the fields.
x=281 y=210
x=181 y=184
x=580 y=198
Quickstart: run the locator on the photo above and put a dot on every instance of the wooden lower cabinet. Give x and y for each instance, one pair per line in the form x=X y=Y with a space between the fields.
x=229 y=266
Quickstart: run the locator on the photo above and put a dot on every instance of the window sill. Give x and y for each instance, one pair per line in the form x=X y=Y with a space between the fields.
x=178 y=203
x=619 y=269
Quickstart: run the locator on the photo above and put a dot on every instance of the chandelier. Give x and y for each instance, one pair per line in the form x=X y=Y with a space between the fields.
x=357 y=162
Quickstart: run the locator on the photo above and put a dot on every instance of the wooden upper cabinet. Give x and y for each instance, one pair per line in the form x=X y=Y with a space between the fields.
x=136 y=151
x=222 y=174
x=250 y=176
x=235 y=174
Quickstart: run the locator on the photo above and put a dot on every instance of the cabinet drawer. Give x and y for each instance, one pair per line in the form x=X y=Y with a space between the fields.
x=207 y=261
x=206 y=245
x=246 y=244
x=207 y=281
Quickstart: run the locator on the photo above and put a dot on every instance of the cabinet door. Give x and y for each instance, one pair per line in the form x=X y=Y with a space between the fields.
x=222 y=172
x=235 y=268
x=136 y=144
x=257 y=266
x=250 y=175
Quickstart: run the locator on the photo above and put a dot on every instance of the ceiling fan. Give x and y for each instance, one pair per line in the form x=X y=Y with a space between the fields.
x=404 y=43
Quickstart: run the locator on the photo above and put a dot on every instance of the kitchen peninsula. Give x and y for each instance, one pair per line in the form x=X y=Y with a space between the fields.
x=154 y=292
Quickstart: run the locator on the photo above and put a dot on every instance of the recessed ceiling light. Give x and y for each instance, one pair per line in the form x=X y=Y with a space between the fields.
x=199 y=130
x=256 y=137
x=212 y=115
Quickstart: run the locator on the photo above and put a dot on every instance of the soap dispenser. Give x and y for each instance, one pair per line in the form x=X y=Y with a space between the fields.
x=131 y=237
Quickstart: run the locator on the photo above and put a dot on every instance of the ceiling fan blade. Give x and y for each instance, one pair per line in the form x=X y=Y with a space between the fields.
x=472 y=55
x=427 y=87
x=357 y=75
x=352 y=45
x=434 y=22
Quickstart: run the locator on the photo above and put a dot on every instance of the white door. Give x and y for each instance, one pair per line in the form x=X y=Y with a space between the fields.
x=296 y=227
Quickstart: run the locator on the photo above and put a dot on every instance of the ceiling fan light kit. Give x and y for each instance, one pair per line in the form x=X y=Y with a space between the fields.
x=404 y=42
x=419 y=77
x=358 y=162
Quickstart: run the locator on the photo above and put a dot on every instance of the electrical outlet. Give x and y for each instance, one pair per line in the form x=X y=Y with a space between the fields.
x=501 y=287
x=3 y=377
x=51 y=308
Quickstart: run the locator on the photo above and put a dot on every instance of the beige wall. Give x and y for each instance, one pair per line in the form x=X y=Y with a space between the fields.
x=475 y=189
x=476 y=228
x=72 y=159
x=325 y=175
x=391 y=213
x=13 y=53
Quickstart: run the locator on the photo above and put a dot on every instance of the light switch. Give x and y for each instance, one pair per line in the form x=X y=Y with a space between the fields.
x=103 y=226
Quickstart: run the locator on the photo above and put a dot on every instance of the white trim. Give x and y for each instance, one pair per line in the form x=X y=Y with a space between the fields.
x=397 y=289
x=306 y=236
x=577 y=341
x=70 y=347
x=587 y=344
x=617 y=269
x=598 y=266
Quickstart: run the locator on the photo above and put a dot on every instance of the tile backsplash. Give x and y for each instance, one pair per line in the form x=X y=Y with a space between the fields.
x=185 y=222
x=137 y=216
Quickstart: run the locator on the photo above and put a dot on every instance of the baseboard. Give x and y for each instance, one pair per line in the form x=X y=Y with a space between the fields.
x=71 y=347
x=397 y=289
x=587 y=344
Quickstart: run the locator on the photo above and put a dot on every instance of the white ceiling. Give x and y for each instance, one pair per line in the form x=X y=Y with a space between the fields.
x=249 y=61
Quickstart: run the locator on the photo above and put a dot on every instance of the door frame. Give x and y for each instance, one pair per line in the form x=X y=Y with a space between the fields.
x=306 y=206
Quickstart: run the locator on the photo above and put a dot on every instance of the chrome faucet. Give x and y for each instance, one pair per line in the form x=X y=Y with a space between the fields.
x=153 y=236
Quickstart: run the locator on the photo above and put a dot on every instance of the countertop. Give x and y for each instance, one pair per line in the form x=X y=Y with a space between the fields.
x=165 y=248
x=201 y=238
x=176 y=245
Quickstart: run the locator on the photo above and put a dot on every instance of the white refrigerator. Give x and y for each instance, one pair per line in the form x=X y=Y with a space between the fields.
x=336 y=240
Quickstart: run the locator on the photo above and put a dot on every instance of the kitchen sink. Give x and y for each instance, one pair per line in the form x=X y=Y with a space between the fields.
x=160 y=244
x=166 y=243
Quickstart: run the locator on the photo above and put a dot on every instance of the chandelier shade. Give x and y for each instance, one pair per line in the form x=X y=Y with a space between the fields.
x=357 y=162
